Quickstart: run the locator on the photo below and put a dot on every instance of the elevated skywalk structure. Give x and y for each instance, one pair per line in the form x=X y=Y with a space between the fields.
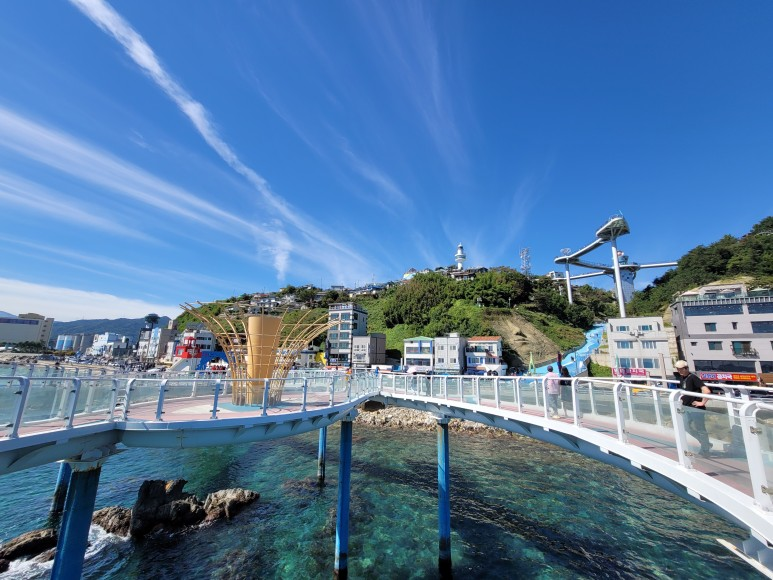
x=640 y=428
x=615 y=227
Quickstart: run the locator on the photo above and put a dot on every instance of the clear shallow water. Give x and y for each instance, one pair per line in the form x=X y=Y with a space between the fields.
x=519 y=508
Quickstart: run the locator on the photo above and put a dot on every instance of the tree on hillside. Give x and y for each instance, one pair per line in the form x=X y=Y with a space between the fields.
x=411 y=303
x=500 y=288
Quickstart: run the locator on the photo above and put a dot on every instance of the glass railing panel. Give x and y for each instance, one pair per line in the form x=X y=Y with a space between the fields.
x=94 y=400
x=9 y=395
x=506 y=386
x=487 y=391
x=468 y=390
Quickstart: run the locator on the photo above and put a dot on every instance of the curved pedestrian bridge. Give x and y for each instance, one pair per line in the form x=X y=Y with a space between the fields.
x=641 y=428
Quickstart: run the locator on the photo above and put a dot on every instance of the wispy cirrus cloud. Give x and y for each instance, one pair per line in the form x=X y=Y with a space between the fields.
x=391 y=197
x=19 y=192
x=106 y=18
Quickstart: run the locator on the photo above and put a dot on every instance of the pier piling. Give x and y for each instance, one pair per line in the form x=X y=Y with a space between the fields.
x=444 y=499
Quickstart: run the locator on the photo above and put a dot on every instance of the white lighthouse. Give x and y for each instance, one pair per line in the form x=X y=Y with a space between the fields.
x=459 y=257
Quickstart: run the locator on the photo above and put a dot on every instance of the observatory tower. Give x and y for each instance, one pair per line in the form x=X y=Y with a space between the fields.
x=460 y=257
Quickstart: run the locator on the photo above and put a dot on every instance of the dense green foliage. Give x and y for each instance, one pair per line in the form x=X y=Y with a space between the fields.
x=750 y=255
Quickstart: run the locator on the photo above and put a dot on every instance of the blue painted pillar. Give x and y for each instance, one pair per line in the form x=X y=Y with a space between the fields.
x=60 y=492
x=342 y=513
x=321 y=456
x=444 y=499
x=74 y=533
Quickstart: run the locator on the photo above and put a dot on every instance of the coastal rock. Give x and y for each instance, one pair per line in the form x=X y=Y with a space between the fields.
x=4 y=565
x=29 y=544
x=228 y=502
x=114 y=520
x=164 y=503
x=399 y=418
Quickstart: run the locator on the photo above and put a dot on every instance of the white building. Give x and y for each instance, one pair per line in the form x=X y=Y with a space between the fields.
x=419 y=354
x=638 y=346
x=725 y=329
x=484 y=354
x=449 y=354
x=28 y=327
x=103 y=343
x=351 y=320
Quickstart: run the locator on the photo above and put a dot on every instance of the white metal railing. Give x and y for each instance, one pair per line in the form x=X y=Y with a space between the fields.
x=49 y=403
x=646 y=413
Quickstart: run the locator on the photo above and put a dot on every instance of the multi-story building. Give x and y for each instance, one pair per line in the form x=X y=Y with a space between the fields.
x=368 y=350
x=103 y=343
x=725 y=329
x=350 y=320
x=484 y=354
x=28 y=327
x=449 y=354
x=419 y=354
x=638 y=346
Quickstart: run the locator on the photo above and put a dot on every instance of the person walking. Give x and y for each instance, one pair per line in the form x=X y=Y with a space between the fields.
x=566 y=390
x=553 y=390
x=694 y=407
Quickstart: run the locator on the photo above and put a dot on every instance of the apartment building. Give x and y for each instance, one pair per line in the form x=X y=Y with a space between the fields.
x=28 y=327
x=450 y=356
x=638 y=346
x=419 y=354
x=368 y=350
x=484 y=354
x=725 y=332
x=350 y=320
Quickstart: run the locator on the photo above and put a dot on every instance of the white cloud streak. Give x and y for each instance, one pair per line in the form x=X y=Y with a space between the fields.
x=66 y=304
x=106 y=18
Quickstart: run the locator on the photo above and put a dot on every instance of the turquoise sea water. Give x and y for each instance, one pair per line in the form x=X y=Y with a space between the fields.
x=519 y=508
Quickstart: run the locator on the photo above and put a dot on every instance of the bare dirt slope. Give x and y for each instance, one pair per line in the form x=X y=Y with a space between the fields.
x=524 y=337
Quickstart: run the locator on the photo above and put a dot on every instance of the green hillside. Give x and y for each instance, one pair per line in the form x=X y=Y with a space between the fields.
x=750 y=256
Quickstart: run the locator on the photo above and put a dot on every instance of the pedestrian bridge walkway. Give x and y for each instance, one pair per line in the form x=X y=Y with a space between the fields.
x=640 y=428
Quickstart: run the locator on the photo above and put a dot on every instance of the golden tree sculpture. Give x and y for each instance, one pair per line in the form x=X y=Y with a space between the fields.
x=259 y=343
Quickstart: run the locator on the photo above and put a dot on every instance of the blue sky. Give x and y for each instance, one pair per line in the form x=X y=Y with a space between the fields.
x=154 y=153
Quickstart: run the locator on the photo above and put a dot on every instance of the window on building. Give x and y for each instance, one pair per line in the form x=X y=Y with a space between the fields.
x=346 y=316
x=626 y=363
x=742 y=347
x=650 y=363
x=333 y=336
x=334 y=316
x=762 y=326
x=715 y=345
x=344 y=326
x=354 y=326
x=645 y=327
x=649 y=344
x=735 y=326
x=453 y=361
x=344 y=335
x=441 y=361
x=622 y=329
x=694 y=343
x=710 y=326
x=624 y=344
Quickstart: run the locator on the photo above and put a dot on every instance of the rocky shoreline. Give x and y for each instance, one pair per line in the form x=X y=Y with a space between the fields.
x=161 y=507
x=410 y=419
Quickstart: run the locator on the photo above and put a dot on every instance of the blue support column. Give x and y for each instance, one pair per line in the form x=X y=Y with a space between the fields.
x=342 y=513
x=74 y=533
x=321 y=456
x=444 y=499
x=60 y=492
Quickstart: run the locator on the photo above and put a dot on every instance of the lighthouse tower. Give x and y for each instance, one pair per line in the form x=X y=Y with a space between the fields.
x=459 y=257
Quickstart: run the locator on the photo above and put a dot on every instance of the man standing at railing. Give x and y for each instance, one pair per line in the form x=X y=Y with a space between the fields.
x=694 y=407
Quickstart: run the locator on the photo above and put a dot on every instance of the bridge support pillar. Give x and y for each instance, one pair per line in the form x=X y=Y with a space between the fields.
x=60 y=491
x=321 y=456
x=444 y=499
x=74 y=533
x=344 y=484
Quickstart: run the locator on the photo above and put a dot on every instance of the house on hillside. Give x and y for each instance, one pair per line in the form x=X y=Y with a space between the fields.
x=484 y=355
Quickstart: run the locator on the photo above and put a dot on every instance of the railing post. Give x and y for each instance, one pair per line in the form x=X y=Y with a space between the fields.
x=305 y=393
x=629 y=400
x=21 y=401
x=477 y=390
x=576 y=402
x=751 y=440
x=496 y=391
x=266 y=387
x=544 y=386
x=332 y=390
x=113 y=398
x=90 y=397
x=622 y=436
x=161 y=396
x=73 y=401
x=656 y=401
x=680 y=435
x=129 y=391
x=592 y=399
x=517 y=395
x=216 y=398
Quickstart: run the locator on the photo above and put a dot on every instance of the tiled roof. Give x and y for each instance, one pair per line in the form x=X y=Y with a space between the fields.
x=486 y=338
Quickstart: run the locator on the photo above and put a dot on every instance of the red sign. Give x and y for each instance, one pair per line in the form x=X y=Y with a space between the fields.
x=747 y=377
x=620 y=372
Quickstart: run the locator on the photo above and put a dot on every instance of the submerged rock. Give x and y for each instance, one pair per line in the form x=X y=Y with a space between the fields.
x=164 y=503
x=228 y=502
x=29 y=544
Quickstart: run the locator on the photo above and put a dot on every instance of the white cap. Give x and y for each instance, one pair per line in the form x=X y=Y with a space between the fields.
x=681 y=364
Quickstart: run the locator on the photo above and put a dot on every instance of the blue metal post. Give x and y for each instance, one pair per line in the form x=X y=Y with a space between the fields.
x=444 y=499
x=74 y=533
x=321 y=456
x=342 y=513
x=60 y=492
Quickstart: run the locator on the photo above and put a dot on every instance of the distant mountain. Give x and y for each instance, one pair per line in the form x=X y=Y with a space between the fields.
x=122 y=326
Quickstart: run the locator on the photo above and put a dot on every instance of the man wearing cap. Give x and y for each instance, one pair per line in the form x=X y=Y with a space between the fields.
x=694 y=407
